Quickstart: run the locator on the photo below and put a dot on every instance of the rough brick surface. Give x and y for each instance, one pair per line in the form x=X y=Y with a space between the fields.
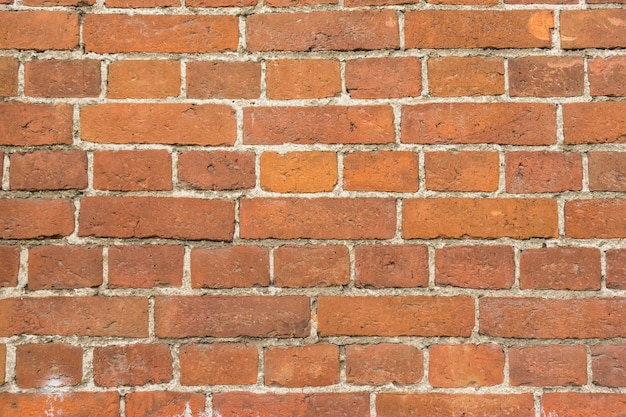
x=48 y=366
x=218 y=364
x=59 y=267
x=383 y=363
x=548 y=365
x=465 y=365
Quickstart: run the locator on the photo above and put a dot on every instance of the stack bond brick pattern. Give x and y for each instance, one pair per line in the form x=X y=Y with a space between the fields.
x=312 y=208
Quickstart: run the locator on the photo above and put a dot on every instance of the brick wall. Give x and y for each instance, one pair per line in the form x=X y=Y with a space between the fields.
x=304 y=208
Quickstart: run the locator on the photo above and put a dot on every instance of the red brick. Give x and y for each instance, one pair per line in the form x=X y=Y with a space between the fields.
x=163 y=403
x=220 y=3
x=598 y=122
x=478 y=29
x=220 y=79
x=546 y=76
x=482 y=267
x=384 y=77
x=131 y=365
x=462 y=171
x=359 y=3
x=9 y=266
x=311 y=266
x=27 y=124
x=379 y=266
x=452 y=366
x=48 y=366
x=158 y=33
x=145 y=266
x=607 y=171
x=137 y=170
x=36 y=218
x=543 y=172
x=303 y=78
x=593 y=29
x=140 y=217
x=324 y=125
x=232 y=316
x=323 y=31
x=552 y=318
x=38 y=30
x=74 y=404
x=616 y=269
x=8 y=76
x=465 y=76
x=64 y=267
x=560 y=269
x=395 y=316
x=543 y=366
x=542 y=1
x=607 y=76
x=45 y=3
x=244 y=404
x=381 y=171
x=62 y=78
x=49 y=170
x=233 y=266
x=219 y=364
x=143 y=79
x=3 y=357
x=217 y=170
x=334 y=218
x=141 y=3
x=166 y=123
x=465 y=2
x=502 y=123
x=595 y=218
x=573 y=404
x=455 y=405
x=80 y=316
x=302 y=366
x=298 y=172
x=481 y=218
x=608 y=365
x=384 y=363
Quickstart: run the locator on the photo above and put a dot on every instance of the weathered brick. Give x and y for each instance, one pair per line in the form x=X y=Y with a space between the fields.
x=462 y=171
x=48 y=365
x=163 y=403
x=574 y=404
x=484 y=267
x=601 y=28
x=546 y=76
x=608 y=365
x=145 y=266
x=219 y=364
x=616 y=269
x=311 y=266
x=607 y=76
x=303 y=78
x=48 y=170
x=465 y=76
x=452 y=366
x=132 y=365
x=74 y=404
x=552 y=365
x=8 y=76
x=381 y=266
x=301 y=366
x=220 y=79
x=137 y=170
x=62 y=78
x=9 y=266
x=607 y=171
x=143 y=79
x=216 y=170
x=384 y=77
x=560 y=268
x=64 y=267
x=384 y=363
x=38 y=30
x=36 y=218
x=604 y=218
x=600 y=122
x=298 y=172
x=543 y=172
x=381 y=171
x=28 y=124
x=233 y=266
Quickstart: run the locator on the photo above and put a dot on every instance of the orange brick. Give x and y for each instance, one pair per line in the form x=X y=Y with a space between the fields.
x=221 y=3
x=232 y=316
x=560 y=269
x=608 y=365
x=27 y=124
x=220 y=79
x=502 y=123
x=49 y=170
x=483 y=267
x=45 y=3
x=486 y=218
x=3 y=358
x=466 y=2
x=540 y=318
x=298 y=172
x=478 y=29
x=219 y=364
x=381 y=266
x=64 y=267
x=62 y=78
x=9 y=267
x=607 y=76
x=101 y=404
x=543 y=172
x=452 y=366
x=616 y=269
x=8 y=76
x=132 y=170
x=141 y=3
x=465 y=76
x=607 y=171
x=543 y=366
x=163 y=403
x=311 y=266
x=593 y=28
x=384 y=77
x=583 y=404
x=233 y=266
x=384 y=363
x=38 y=30
x=381 y=171
x=48 y=366
x=36 y=218
x=462 y=171
x=131 y=365
x=395 y=316
x=145 y=266
x=305 y=78
x=324 y=124
x=599 y=122
x=588 y=219
x=323 y=31
x=296 y=3
x=302 y=366
x=143 y=79
x=321 y=218
x=159 y=33
x=542 y=1
x=168 y=123
x=217 y=170
x=546 y=76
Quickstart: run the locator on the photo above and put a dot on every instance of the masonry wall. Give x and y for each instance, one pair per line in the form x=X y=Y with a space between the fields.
x=304 y=208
